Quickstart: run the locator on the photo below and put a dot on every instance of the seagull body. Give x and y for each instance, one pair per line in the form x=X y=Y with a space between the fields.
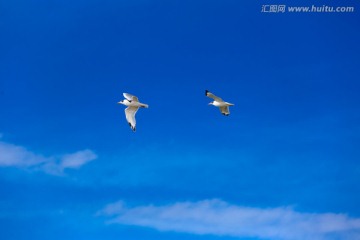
x=218 y=102
x=133 y=104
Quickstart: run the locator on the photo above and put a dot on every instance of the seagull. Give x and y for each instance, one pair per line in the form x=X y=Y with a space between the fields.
x=133 y=104
x=218 y=102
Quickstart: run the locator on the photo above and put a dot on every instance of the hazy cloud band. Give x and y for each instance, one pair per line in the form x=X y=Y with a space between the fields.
x=220 y=218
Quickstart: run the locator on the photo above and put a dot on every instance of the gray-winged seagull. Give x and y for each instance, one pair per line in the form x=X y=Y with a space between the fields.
x=218 y=102
x=133 y=104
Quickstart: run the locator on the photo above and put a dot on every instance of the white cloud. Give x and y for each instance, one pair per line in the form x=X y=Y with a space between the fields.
x=12 y=155
x=77 y=159
x=17 y=156
x=220 y=218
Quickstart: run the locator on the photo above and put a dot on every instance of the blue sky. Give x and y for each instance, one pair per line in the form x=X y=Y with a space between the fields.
x=283 y=166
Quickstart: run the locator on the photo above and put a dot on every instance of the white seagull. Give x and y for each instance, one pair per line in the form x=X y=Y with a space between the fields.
x=218 y=102
x=133 y=104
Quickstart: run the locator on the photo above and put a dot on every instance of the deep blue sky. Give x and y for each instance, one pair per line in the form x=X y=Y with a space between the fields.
x=291 y=140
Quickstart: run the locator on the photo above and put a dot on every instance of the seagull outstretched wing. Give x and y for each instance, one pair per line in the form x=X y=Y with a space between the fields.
x=130 y=97
x=225 y=110
x=210 y=95
x=130 y=116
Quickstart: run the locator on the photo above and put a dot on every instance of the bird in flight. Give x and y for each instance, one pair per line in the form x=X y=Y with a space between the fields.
x=133 y=104
x=218 y=102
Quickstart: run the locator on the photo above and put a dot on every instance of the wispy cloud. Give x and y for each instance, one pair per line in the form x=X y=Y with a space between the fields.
x=220 y=218
x=17 y=156
x=76 y=160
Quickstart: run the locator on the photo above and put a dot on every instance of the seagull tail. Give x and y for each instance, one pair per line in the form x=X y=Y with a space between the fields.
x=145 y=105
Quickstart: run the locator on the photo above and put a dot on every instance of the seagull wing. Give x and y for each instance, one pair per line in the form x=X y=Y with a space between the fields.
x=210 y=95
x=225 y=110
x=130 y=97
x=130 y=116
